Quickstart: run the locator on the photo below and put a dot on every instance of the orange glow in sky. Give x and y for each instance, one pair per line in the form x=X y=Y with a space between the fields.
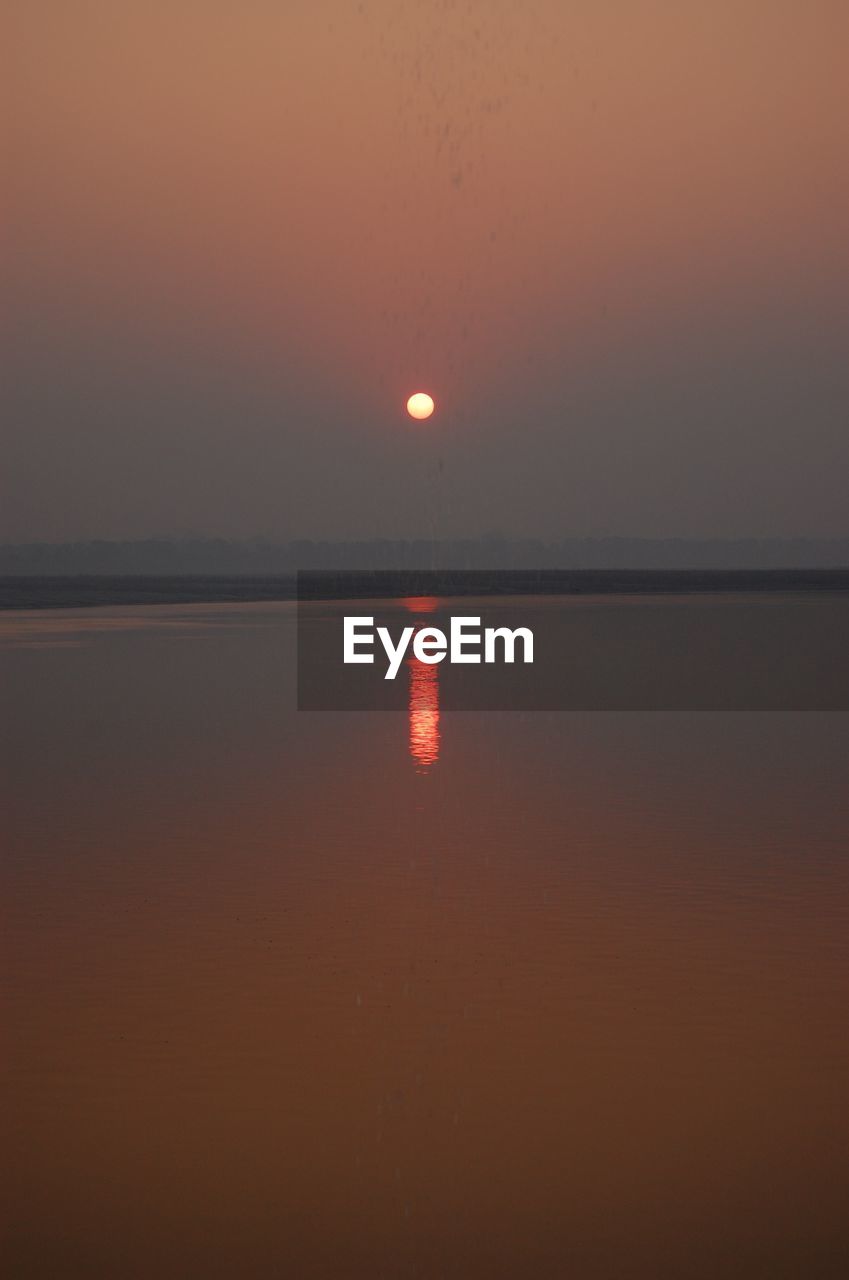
x=241 y=236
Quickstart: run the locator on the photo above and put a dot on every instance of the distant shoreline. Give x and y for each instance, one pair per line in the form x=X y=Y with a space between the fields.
x=24 y=592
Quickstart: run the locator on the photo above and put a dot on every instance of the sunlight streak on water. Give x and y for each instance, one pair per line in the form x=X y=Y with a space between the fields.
x=424 y=713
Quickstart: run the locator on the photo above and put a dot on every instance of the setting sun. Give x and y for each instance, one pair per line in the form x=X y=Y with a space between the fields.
x=420 y=405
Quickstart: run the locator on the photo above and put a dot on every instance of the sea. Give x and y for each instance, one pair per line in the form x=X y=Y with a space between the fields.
x=416 y=992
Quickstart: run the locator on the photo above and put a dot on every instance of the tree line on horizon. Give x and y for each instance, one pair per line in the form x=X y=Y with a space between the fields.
x=264 y=556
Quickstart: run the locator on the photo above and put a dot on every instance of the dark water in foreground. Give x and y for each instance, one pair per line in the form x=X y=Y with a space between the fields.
x=409 y=994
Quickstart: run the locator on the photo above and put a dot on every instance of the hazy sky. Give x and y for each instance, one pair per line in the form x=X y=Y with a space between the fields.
x=610 y=238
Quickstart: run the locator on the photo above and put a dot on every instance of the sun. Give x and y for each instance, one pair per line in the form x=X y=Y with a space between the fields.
x=420 y=405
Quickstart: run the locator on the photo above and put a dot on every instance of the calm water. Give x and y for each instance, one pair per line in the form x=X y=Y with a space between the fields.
x=409 y=994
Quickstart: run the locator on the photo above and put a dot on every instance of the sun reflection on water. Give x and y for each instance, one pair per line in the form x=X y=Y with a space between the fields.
x=424 y=713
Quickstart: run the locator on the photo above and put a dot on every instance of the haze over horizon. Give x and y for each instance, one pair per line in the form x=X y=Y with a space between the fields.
x=613 y=246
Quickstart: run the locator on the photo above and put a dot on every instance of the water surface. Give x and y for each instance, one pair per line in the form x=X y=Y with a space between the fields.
x=411 y=993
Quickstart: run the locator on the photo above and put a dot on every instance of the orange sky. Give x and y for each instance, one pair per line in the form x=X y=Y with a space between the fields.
x=482 y=198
